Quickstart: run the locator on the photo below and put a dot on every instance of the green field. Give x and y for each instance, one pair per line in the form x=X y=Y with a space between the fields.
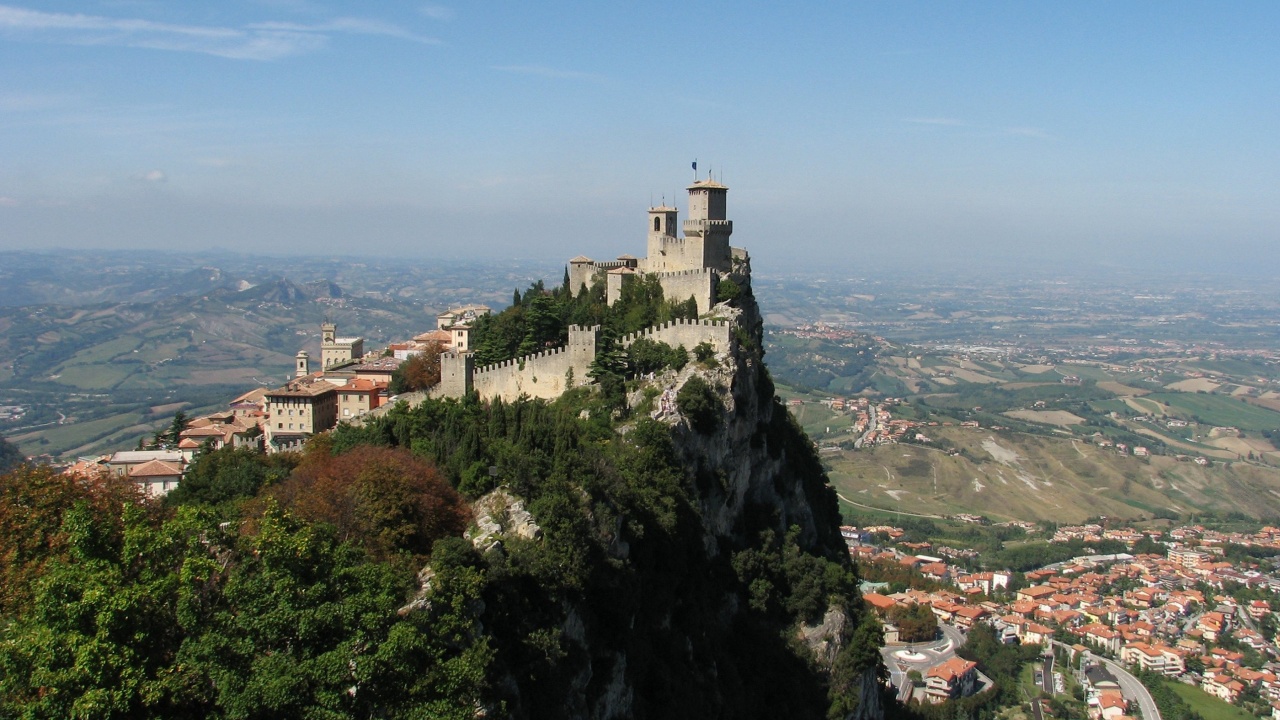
x=1220 y=410
x=96 y=377
x=1085 y=372
x=1106 y=406
x=62 y=438
x=102 y=352
x=1207 y=705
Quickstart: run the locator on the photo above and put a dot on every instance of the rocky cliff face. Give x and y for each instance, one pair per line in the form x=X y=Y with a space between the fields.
x=703 y=629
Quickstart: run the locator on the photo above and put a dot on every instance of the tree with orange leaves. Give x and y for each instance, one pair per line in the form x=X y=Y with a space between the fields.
x=384 y=499
x=419 y=372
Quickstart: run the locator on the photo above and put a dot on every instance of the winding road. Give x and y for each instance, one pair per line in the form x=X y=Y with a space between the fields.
x=1130 y=686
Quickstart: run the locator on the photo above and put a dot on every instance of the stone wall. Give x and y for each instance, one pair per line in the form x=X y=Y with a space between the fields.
x=670 y=254
x=456 y=371
x=541 y=375
x=688 y=333
x=701 y=284
x=580 y=275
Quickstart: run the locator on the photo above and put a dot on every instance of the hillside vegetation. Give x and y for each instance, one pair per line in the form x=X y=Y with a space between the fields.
x=614 y=564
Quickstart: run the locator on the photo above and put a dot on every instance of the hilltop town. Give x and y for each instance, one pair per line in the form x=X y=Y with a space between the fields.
x=350 y=383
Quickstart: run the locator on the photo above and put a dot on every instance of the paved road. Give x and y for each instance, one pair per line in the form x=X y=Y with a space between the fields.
x=1047 y=680
x=1130 y=686
x=934 y=653
x=1133 y=689
x=1036 y=711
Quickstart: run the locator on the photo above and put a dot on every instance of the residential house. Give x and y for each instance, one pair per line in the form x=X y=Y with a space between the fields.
x=359 y=396
x=122 y=463
x=298 y=410
x=156 y=477
x=1101 y=636
x=955 y=678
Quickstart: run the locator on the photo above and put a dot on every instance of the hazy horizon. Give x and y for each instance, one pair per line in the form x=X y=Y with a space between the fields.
x=904 y=136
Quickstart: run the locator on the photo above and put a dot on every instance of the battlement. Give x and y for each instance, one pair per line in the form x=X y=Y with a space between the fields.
x=697 y=227
x=687 y=333
x=630 y=338
x=522 y=360
x=680 y=273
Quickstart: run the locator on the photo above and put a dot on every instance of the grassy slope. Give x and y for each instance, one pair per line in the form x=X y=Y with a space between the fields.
x=1207 y=705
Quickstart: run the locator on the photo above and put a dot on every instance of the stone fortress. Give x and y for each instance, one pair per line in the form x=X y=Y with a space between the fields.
x=689 y=266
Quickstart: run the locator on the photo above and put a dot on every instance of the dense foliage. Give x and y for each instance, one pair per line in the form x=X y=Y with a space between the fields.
x=916 y=623
x=384 y=499
x=622 y=555
x=337 y=584
x=542 y=317
x=1169 y=703
x=230 y=474
x=700 y=402
x=124 y=610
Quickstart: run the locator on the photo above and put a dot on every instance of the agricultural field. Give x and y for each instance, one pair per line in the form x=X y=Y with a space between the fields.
x=1015 y=476
x=1217 y=410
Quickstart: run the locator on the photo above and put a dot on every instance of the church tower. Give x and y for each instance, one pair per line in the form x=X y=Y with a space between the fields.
x=707 y=224
x=304 y=364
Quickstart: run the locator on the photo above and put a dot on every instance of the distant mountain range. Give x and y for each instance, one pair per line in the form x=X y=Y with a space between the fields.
x=99 y=348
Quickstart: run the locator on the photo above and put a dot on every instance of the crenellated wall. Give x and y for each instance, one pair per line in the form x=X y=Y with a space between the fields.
x=456 y=371
x=550 y=373
x=541 y=375
x=688 y=333
x=701 y=284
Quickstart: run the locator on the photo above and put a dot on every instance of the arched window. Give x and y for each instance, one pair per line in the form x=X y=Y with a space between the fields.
x=657 y=223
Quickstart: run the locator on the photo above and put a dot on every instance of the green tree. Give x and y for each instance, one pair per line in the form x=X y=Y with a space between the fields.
x=700 y=403
x=10 y=456
x=646 y=356
x=916 y=623
x=176 y=427
x=230 y=474
x=33 y=503
x=728 y=291
x=103 y=627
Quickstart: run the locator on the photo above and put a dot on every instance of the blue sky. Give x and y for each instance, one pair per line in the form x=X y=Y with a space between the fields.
x=852 y=134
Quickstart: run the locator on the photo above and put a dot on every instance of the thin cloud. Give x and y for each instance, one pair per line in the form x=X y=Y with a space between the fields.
x=262 y=41
x=436 y=12
x=546 y=72
x=152 y=176
x=351 y=26
x=6 y=201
